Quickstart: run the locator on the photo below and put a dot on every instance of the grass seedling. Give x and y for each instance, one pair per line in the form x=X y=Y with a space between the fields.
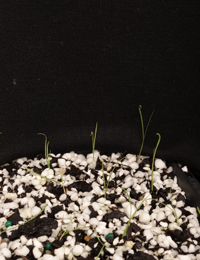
x=143 y=131
x=128 y=199
x=124 y=234
x=24 y=222
x=94 y=139
x=46 y=150
x=154 y=154
x=172 y=209
x=103 y=244
x=70 y=252
x=198 y=210
x=104 y=179
x=67 y=231
x=47 y=179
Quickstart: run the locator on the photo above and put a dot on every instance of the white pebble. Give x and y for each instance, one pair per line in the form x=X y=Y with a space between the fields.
x=171 y=242
x=117 y=257
x=63 y=197
x=191 y=249
x=183 y=257
x=2 y=257
x=134 y=165
x=160 y=216
x=144 y=217
x=9 y=205
x=115 y=241
x=43 y=238
x=94 y=222
x=31 y=202
x=148 y=234
x=74 y=197
x=61 y=215
x=171 y=218
x=193 y=231
x=24 y=201
x=128 y=209
x=6 y=252
x=35 y=210
x=164 y=224
x=35 y=182
x=36 y=252
x=3 y=245
x=37 y=243
x=60 y=252
x=95 y=206
x=23 y=239
x=11 y=196
x=22 y=251
x=77 y=250
x=160 y=164
x=61 y=162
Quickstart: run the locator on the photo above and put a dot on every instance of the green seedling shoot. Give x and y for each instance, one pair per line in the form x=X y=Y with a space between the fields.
x=47 y=179
x=104 y=179
x=103 y=244
x=143 y=131
x=24 y=222
x=198 y=210
x=128 y=199
x=46 y=150
x=124 y=234
x=70 y=252
x=145 y=199
x=94 y=139
x=154 y=154
x=67 y=231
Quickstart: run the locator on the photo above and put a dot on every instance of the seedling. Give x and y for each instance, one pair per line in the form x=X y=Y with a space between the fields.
x=133 y=216
x=128 y=199
x=173 y=209
x=198 y=210
x=143 y=132
x=154 y=154
x=24 y=222
x=46 y=150
x=94 y=139
x=70 y=252
x=67 y=231
x=104 y=179
x=47 y=179
x=103 y=244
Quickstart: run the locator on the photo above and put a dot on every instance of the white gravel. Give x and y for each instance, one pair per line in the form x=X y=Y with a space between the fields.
x=89 y=211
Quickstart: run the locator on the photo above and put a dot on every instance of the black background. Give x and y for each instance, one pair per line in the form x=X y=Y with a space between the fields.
x=65 y=65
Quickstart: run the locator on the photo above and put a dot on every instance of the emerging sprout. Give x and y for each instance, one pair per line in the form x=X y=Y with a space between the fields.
x=46 y=150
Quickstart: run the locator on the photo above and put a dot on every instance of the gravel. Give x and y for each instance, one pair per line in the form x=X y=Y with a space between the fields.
x=64 y=212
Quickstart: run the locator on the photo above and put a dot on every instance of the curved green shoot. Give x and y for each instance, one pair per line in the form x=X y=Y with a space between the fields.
x=103 y=244
x=172 y=209
x=94 y=139
x=46 y=150
x=70 y=252
x=154 y=154
x=133 y=216
x=47 y=179
x=65 y=232
x=198 y=210
x=24 y=222
x=128 y=199
x=106 y=185
x=143 y=132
